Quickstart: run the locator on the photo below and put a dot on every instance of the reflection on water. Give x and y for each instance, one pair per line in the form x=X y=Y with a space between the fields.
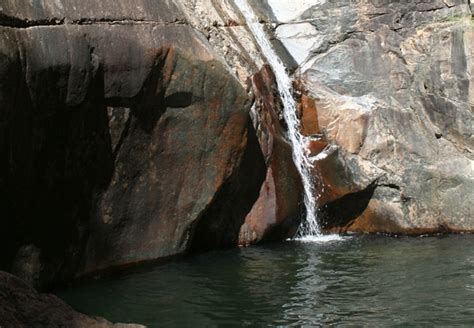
x=353 y=281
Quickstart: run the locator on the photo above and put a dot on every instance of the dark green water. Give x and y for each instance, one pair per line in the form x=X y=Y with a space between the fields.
x=359 y=281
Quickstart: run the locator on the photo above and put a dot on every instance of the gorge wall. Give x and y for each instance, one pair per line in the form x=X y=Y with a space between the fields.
x=138 y=131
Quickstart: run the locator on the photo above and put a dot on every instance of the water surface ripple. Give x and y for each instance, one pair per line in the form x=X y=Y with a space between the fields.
x=369 y=281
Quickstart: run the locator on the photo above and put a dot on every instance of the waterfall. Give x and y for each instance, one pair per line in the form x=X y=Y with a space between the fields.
x=309 y=226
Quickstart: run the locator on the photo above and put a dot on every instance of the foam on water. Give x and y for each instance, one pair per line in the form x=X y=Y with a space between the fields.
x=321 y=239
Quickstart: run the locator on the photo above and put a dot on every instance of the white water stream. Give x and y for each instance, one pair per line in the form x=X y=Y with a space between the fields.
x=309 y=229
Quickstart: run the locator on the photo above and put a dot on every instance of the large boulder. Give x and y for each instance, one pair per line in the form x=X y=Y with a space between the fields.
x=124 y=137
x=392 y=84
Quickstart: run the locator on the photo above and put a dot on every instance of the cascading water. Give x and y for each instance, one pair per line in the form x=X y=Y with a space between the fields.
x=309 y=227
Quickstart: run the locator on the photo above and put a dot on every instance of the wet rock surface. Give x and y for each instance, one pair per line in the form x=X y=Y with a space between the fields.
x=279 y=208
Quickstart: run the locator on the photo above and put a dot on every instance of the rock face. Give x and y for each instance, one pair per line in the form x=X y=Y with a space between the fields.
x=125 y=136
x=22 y=306
x=394 y=99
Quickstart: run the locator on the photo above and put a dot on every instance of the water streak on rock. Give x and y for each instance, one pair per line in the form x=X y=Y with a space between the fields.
x=285 y=88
